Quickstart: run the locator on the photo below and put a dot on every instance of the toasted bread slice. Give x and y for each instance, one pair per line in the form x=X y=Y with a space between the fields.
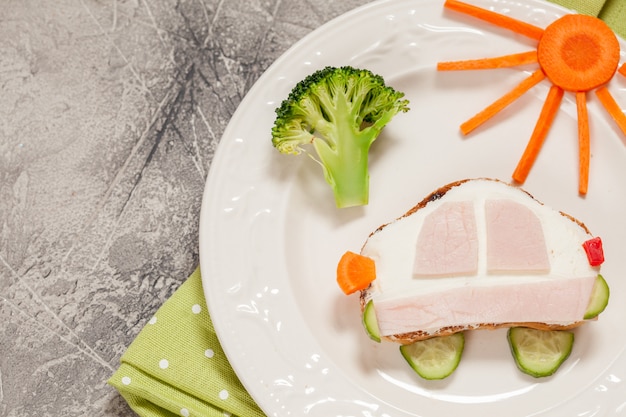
x=477 y=254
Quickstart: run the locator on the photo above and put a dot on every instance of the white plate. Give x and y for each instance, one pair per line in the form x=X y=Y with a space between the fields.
x=270 y=236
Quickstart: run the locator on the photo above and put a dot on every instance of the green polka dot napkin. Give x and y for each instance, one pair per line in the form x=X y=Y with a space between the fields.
x=176 y=367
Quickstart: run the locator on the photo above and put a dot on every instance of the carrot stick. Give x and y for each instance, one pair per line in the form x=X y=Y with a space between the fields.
x=548 y=112
x=355 y=272
x=583 y=142
x=505 y=22
x=611 y=106
x=622 y=69
x=512 y=60
x=502 y=102
x=578 y=52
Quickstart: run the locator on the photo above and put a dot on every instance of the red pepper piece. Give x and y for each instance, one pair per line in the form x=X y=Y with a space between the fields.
x=595 y=253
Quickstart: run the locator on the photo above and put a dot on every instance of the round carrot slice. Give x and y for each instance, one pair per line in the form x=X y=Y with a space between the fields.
x=578 y=52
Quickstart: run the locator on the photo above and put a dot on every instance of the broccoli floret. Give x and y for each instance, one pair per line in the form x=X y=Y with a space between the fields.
x=340 y=112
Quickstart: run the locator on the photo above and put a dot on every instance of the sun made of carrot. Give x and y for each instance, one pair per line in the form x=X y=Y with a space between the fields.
x=576 y=53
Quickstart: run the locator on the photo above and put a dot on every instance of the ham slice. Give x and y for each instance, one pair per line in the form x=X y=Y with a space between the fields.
x=551 y=301
x=448 y=244
x=515 y=241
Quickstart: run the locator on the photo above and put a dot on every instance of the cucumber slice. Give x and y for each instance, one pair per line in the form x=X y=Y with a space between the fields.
x=370 y=322
x=435 y=358
x=539 y=353
x=599 y=298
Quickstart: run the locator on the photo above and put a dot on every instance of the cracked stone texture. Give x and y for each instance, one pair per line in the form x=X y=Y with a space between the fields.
x=110 y=113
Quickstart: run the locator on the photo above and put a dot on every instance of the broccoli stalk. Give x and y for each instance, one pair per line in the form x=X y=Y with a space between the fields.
x=340 y=112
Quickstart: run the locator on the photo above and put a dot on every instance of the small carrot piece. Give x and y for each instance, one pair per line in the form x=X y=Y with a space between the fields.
x=355 y=272
x=505 y=22
x=546 y=117
x=502 y=102
x=504 y=61
x=583 y=142
x=578 y=52
x=622 y=69
x=611 y=106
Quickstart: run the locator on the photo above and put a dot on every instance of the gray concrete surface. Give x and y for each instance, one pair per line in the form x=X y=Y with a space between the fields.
x=110 y=112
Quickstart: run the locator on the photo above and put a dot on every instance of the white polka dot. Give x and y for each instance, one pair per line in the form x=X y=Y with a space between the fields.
x=153 y=320
x=164 y=363
x=209 y=353
x=223 y=394
x=226 y=414
x=126 y=380
x=184 y=412
x=196 y=309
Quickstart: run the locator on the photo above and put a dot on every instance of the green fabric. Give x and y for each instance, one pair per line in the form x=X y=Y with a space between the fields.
x=176 y=367
x=614 y=14
x=590 y=7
